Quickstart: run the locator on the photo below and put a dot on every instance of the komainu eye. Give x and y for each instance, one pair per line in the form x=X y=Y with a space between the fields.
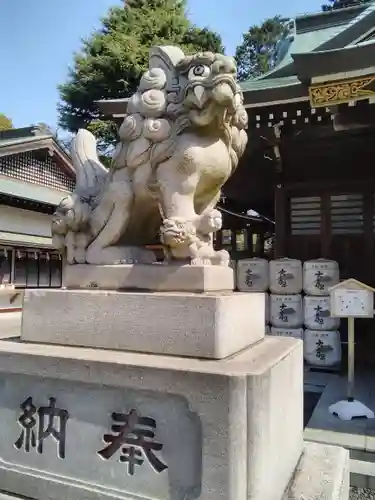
x=199 y=71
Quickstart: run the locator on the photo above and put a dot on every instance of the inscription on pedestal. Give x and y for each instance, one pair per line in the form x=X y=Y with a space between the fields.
x=134 y=436
x=127 y=442
x=34 y=429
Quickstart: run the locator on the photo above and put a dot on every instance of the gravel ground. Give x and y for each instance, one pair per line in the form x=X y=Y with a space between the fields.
x=361 y=494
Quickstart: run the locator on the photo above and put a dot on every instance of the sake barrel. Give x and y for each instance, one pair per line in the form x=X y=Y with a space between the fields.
x=252 y=275
x=322 y=349
x=286 y=311
x=296 y=333
x=285 y=276
x=318 y=315
x=319 y=275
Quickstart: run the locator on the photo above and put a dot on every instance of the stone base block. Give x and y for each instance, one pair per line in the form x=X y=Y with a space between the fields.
x=155 y=277
x=201 y=325
x=112 y=425
x=323 y=472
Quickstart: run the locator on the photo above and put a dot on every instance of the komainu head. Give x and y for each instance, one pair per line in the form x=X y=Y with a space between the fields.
x=209 y=90
x=178 y=93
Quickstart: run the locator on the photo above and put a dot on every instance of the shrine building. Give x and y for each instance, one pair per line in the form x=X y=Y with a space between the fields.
x=309 y=164
x=35 y=174
x=310 y=161
x=305 y=190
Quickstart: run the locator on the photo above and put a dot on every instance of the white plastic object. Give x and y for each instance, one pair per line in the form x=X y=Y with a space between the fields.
x=296 y=333
x=320 y=275
x=316 y=311
x=252 y=275
x=322 y=349
x=347 y=410
x=285 y=276
x=286 y=311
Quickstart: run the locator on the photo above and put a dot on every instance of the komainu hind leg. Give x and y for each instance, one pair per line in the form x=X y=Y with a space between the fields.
x=110 y=220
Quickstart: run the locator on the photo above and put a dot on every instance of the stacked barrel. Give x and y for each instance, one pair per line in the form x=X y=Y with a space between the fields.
x=298 y=303
x=322 y=346
x=283 y=278
x=286 y=312
x=253 y=276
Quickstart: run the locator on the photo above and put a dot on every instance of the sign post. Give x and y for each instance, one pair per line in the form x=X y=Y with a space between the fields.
x=351 y=355
x=351 y=299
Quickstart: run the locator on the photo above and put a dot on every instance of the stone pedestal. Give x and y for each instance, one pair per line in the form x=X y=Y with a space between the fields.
x=154 y=277
x=220 y=428
x=211 y=410
x=207 y=430
x=210 y=325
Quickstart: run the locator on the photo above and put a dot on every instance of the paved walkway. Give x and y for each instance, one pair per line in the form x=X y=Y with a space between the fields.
x=10 y=324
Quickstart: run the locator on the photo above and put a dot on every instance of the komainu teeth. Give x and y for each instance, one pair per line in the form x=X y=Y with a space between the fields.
x=200 y=95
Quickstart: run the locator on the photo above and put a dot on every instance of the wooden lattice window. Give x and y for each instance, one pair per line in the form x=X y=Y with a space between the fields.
x=36 y=167
x=305 y=215
x=347 y=214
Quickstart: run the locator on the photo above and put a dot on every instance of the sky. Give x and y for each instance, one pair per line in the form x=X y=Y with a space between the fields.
x=38 y=39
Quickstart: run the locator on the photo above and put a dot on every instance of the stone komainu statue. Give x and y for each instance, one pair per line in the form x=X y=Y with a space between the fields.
x=179 y=143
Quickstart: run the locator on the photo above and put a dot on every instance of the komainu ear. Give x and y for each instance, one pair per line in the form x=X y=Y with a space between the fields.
x=166 y=58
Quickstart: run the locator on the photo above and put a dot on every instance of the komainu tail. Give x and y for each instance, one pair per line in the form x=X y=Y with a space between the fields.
x=73 y=214
x=91 y=174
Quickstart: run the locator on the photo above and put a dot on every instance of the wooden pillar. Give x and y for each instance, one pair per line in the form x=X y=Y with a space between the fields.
x=249 y=242
x=281 y=201
x=368 y=228
x=260 y=244
x=325 y=225
x=219 y=240
x=281 y=221
x=233 y=240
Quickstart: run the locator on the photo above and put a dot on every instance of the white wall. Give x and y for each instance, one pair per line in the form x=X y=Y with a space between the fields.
x=17 y=220
x=25 y=222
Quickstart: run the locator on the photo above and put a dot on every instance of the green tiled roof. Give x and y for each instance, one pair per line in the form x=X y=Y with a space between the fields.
x=313 y=37
x=21 y=140
x=305 y=42
x=34 y=137
x=317 y=31
x=257 y=84
x=16 y=135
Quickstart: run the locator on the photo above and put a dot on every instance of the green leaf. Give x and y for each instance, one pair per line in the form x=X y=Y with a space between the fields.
x=5 y=122
x=255 y=55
